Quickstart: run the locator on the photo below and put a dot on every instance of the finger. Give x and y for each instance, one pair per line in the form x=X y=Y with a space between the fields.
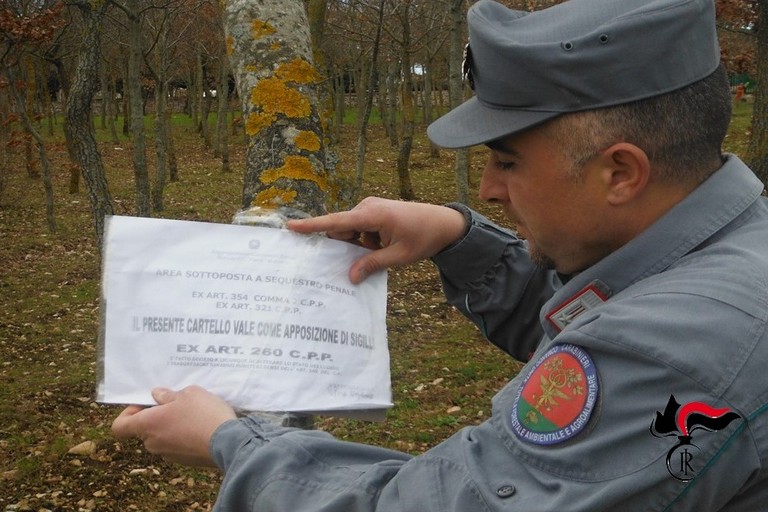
x=374 y=262
x=335 y=224
x=313 y=224
x=163 y=395
x=125 y=425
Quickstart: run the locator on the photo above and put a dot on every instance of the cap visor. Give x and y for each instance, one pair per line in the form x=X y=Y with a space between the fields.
x=473 y=123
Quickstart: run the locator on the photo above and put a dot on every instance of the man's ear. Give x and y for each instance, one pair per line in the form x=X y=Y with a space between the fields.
x=626 y=172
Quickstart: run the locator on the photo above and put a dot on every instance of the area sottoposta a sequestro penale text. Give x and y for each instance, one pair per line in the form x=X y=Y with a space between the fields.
x=257 y=278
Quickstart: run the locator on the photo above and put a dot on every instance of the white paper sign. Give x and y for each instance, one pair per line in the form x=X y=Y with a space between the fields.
x=263 y=317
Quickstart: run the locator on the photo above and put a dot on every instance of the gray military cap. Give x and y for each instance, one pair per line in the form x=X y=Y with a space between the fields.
x=526 y=68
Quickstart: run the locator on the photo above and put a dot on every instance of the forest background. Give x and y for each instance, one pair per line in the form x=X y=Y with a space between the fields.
x=170 y=136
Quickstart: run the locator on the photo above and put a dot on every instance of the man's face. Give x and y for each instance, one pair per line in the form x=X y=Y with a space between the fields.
x=559 y=210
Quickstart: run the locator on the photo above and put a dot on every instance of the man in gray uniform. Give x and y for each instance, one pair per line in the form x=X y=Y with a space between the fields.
x=635 y=285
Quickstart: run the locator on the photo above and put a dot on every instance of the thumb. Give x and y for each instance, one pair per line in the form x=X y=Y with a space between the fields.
x=367 y=265
x=163 y=395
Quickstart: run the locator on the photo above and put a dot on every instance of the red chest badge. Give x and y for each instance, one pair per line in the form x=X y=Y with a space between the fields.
x=557 y=397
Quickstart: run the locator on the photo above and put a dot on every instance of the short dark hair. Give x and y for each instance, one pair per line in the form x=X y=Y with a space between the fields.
x=681 y=132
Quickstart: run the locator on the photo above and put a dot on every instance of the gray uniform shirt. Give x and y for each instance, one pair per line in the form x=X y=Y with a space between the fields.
x=646 y=387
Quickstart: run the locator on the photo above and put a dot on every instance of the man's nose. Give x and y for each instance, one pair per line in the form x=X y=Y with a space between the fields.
x=491 y=189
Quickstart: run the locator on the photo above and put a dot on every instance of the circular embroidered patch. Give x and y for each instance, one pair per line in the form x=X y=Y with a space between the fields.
x=557 y=397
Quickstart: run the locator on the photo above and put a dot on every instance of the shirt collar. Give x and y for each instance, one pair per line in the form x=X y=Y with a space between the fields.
x=704 y=212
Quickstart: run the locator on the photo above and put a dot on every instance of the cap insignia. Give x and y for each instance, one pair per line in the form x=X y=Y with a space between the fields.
x=466 y=67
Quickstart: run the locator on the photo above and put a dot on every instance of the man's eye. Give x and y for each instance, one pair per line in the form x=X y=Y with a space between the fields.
x=505 y=166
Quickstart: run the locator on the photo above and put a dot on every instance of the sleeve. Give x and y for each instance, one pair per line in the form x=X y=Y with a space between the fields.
x=275 y=469
x=488 y=276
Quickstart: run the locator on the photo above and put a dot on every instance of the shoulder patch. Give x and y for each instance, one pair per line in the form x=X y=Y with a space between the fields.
x=557 y=397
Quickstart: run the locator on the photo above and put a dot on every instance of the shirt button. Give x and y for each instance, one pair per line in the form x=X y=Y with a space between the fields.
x=505 y=491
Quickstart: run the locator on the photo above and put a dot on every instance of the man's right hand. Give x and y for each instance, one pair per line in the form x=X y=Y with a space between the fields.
x=399 y=232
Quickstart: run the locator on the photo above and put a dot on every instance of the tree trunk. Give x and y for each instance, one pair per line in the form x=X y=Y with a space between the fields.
x=222 y=130
x=361 y=86
x=133 y=84
x=77 y=112
x=126 y=101
x=27 y=75
x=366 y=113
x=104 y=94
x=382 y=98
x=204 y=100
x=434 y=151
x=196 y=91
x=161 y=144
x=161 y=118
x=316 y=12
x=30 y=162
x=270 y=52
x=111 y=114
x=205 y=109
x=404 y=156
x=393 y=78
x=757 y=151
x=338 y=102
x=45 y=163
x=47 y=102
x=456 y=93
x=64 y=81
x=316 y=15
x=173 y=165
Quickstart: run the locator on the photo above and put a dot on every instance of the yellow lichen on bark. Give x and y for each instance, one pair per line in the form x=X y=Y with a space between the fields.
x=260 y=28
x=307 y=140
x=230 y=45
x=272 y=197
x=271 y=97
x=296 y=168
x=298 y=70
x=255 y=122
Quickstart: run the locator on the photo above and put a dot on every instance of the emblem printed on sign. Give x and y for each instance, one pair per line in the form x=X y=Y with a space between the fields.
x=557 y=397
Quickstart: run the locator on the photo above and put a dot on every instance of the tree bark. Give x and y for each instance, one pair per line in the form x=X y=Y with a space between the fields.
x=434 y=150
x=111 y=108
x=338 y=103
x=161 y=145
x=126 y=102
x=138 y=134
x=42 y=154
x=30 y=92
x=196 y=91
x=404 y=155
x=456 y=93
x=316 y=15
x=79 y=123
x=366 y=112
x=104 y=94
x=222 y=130
x=390 y=105
x=173 y=165
x=270 y=52
x=161 y=117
